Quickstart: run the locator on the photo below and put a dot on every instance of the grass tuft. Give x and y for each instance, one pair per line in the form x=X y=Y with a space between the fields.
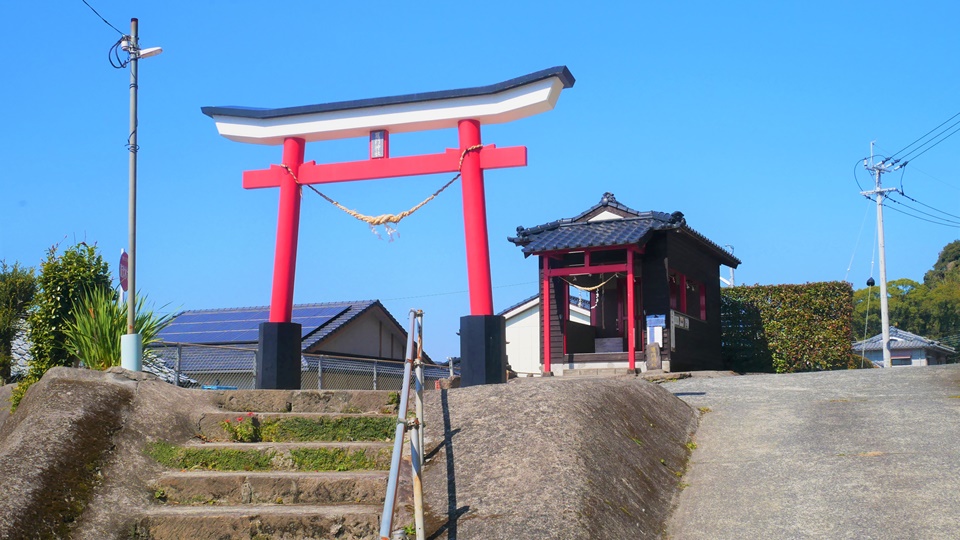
x=364 y=428
x=212 y=459
x=333 y=459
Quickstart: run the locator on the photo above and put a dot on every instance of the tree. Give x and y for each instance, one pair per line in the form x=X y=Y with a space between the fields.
x=63 y=279
x=18 y=285
x=97 y=322
x=930 y=309
x=946 y=267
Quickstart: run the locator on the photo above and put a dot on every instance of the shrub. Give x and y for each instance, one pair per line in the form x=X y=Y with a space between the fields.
x=787 y=328
x=97 y=322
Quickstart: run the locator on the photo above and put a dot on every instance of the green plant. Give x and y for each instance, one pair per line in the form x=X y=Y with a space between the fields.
x=97 y=321
x=691 y=446
x=393 y=398
x=245 y=429
x=18 y=286
x=787 y=328
x=704 y=410
x=335 y=459
x=62 y=280
x=410 y=530
x=348 y=428
x=214 y=459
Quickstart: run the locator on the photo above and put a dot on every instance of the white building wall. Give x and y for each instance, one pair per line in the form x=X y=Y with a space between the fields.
x=523 y=340
x=523 y=336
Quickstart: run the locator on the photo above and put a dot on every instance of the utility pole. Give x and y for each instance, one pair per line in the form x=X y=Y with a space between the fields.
x=131 y=343
x=885 y=165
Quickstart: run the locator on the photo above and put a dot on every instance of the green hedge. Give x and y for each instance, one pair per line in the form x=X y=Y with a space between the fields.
x=787 y=328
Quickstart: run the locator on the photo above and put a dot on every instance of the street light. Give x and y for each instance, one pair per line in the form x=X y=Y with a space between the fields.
x=131 y=344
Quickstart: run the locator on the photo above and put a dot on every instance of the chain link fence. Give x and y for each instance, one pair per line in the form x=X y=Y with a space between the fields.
x=234 y=368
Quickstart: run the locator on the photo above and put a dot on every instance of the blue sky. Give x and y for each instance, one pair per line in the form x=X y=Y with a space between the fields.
x=746 y=116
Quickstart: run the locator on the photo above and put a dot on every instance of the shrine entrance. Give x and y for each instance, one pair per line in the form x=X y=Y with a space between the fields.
x=605 y=281
x=483 y=356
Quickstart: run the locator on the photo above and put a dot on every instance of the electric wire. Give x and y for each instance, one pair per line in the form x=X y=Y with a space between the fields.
x=922 y=212
x=866 y=318
x=857 y=245
x=101 y=17
x=113 y=55
x=926 y=205
x=936 y=143
x=924 y=135
x=920 y=218
x=856 y=166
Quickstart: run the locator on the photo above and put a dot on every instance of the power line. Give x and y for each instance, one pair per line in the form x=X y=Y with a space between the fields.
x=926 y=205
x=924 y=213
x=935 y=144
x=857 y=245
x=856 y=165
x=925 y=173
x=920 y=218
x=925 y=134
x=101 y=17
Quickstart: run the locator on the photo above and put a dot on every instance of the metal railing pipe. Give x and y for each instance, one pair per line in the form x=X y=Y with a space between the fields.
x=176 y=366
x=386 y=519
x=416 y=470
x=418 y=385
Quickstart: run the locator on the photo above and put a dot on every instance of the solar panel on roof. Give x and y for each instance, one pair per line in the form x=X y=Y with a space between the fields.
x=237 y=326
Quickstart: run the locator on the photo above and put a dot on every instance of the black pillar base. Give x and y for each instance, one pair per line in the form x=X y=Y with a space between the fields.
x=278 y=356
x=483 y=350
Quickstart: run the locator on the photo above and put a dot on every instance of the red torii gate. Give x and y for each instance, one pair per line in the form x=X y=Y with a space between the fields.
x=293 y=127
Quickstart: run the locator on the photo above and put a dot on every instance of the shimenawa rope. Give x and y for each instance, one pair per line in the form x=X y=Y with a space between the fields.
x=386 y=219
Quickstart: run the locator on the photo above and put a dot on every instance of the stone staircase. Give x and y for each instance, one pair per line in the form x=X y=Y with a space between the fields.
x=312 y=464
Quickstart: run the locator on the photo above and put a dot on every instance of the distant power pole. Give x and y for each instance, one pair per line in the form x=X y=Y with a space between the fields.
x=886 y=165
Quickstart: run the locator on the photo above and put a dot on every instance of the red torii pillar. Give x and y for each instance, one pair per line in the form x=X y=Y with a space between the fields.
x=482 y=343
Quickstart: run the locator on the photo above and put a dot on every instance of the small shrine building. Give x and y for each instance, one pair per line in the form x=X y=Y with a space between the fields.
x=650 y=278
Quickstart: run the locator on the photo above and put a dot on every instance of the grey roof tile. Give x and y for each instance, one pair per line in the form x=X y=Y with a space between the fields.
x=571 y=233
x=900 y=340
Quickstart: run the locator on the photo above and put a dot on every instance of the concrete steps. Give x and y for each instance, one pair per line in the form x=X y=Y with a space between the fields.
x=259 y=522
x=310 y=489
x=210 y=426
x=280 y=487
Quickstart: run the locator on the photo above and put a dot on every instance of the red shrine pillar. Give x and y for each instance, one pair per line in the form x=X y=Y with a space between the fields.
x=631 y=313
x=483 y=350
x=280 y=339
x=288 y=231
x=475 y=221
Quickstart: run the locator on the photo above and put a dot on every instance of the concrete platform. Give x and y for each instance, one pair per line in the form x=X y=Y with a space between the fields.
x=866 y=454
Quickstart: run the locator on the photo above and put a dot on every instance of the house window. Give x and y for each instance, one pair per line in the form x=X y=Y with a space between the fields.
x=901 y=361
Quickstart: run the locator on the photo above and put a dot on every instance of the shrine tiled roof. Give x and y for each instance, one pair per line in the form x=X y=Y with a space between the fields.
x=614 y=224
x=564 y=234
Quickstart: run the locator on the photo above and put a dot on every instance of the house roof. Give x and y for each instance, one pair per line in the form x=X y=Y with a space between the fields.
x=228 y=337
x=581 y=303
x=519 y=304
x=624 y=226
x=900 y=340
x=236 y=326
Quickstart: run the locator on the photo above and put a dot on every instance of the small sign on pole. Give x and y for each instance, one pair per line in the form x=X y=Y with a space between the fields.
x=123 y=270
